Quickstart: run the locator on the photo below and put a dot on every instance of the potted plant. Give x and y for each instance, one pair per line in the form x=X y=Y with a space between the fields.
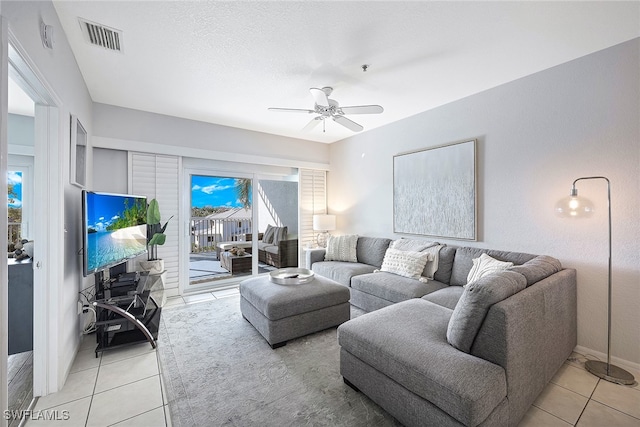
x=155 y=237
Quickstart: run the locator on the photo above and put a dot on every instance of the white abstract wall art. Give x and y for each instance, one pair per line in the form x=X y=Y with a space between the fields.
x=434 y=191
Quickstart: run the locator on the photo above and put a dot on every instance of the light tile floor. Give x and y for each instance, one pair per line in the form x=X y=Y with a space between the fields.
x=124 y=388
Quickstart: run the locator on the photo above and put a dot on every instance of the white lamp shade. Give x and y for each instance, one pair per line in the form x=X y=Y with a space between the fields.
x=324 y=222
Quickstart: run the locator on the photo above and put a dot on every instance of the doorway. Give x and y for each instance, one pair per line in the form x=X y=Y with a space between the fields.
x=48 y=246
x=20 y=190
x=220 y=228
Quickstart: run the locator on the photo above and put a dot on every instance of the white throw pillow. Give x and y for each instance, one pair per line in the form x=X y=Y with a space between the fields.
x=486 y=265
x=415 y=245
x=405 y=263
x=342 y=248
x=432 y=265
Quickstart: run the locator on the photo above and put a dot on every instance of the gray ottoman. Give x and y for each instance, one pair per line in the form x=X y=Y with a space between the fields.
x=284 y=312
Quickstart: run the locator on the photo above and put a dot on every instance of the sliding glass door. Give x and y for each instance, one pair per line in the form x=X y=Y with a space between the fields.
x=239 y=225
x=220 y=227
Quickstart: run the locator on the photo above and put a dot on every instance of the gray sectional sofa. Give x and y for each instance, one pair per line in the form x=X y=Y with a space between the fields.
x=440 y=354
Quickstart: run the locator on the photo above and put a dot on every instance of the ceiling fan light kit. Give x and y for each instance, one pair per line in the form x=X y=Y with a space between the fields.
x=326 y=107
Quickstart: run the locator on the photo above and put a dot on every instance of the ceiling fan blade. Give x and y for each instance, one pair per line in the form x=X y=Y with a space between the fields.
x=362 y=109
x=312 y=124
x=291 y=110
x=320 y=96
x=349 y=124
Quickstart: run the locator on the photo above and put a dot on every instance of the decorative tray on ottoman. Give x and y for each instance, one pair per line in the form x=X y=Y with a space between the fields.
x=291 y=276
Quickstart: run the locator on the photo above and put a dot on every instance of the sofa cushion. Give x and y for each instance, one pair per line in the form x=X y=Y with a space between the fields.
x=392 y=287
x=446 y=297
x=445 y=264
x=341 y=272
x=263 y=245
x=475 y=302
x=538 y=268
x=371 y=250
x=342 y=248
x=484 y=265
x=405 y=263
x=463 y=261
x=406 y=342
x=272 y=249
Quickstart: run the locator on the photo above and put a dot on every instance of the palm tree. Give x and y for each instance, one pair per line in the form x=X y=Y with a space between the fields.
x=243 y=191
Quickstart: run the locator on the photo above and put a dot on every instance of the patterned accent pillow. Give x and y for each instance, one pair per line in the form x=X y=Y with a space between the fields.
x=279 y=233
x=267 y=237
x=486 y=265
x=405 y=263
x=342 y=248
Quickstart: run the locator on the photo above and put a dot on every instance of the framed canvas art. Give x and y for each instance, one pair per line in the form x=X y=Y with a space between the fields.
x=434 y=191
x=78 y=153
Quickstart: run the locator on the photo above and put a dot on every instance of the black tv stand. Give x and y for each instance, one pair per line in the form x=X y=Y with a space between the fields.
x=126 y=312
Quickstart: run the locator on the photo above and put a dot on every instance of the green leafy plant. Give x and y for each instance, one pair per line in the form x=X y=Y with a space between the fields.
x=155 y=231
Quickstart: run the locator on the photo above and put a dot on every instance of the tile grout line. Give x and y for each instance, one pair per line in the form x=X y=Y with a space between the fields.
x=95 y=384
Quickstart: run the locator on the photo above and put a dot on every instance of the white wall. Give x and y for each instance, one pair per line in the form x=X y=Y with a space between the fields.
x=60 y=70
x=179 y=136
x=109 y=171
x=535 y=136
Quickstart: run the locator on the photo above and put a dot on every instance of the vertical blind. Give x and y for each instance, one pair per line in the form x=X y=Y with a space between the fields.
x=313 y=200
x=156 y=176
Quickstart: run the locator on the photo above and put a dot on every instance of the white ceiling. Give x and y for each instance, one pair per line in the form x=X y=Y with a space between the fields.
x=227 y=62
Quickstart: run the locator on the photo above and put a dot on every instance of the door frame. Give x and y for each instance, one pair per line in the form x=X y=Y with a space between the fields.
x=48 y=259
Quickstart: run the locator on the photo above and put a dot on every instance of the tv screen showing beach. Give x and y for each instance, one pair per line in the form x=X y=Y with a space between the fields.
x=115 y=229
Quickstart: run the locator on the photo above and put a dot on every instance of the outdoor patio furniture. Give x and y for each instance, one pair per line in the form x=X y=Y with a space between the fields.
x=235 y=263
x=226 y=246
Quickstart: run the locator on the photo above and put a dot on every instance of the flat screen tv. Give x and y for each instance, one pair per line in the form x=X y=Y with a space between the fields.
x=114 y=229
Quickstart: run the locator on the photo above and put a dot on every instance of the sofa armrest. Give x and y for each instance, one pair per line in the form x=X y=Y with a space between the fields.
x=288 y=252
x=314 y=255
x=530 y=335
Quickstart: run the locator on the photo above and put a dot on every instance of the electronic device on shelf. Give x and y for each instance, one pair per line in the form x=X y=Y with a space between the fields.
x=114 y=229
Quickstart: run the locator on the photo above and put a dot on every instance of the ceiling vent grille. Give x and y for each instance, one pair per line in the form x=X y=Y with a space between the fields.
x=101 y=35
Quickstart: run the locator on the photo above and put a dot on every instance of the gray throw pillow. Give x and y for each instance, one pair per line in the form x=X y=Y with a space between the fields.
x=279 y=233
x=475 y=302
x=267 y=237
x=538 y=268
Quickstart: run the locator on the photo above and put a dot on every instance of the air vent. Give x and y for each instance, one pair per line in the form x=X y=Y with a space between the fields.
x=101 y=35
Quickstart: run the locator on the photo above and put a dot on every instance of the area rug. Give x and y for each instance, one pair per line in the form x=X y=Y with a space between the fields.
x=218 y=371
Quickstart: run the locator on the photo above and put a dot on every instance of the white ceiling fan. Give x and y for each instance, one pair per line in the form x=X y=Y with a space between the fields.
x=329 y=108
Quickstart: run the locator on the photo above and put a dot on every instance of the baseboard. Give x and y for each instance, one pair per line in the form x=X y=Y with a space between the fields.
x=172 y=292
x=625 y=364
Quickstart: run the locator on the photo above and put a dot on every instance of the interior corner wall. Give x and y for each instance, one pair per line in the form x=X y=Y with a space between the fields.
x=59 y=69
x=535 y=136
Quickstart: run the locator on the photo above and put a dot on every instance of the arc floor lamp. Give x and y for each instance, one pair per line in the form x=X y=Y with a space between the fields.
x=576 y=207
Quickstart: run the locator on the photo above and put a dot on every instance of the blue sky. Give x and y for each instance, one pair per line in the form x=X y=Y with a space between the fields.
x=15 y=178
x=103 y=209
x=213 y=191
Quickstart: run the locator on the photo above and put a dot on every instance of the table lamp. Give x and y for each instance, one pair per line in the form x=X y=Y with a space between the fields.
x=323 y=223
